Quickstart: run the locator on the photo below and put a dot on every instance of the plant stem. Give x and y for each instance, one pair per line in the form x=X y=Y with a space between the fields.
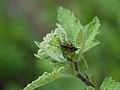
x=80 y=76
x=86 y=81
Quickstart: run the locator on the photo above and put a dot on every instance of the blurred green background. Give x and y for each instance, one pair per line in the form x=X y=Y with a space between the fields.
x=24 y=21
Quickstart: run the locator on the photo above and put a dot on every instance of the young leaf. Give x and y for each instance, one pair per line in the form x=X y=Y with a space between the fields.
x=45 y=78
x=109 y=84
x=91 y=30
x=56 y=56
x=70 y=24
x=50 y=47
x=80 y=40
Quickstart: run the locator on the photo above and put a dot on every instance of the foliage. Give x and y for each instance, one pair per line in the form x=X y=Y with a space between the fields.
x=68 y=31
x=45 y=78
x=20 y=18
x=109 y=84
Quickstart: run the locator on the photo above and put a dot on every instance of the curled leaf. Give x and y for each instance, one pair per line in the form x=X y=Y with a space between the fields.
x=45 y=78
x=91 y=30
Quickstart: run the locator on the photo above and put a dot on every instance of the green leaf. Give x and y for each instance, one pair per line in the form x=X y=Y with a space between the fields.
x=109 y=84
x=57 y=56
x=91 y=30
x=68 y=30
x=83 y=65
x=80 y=39
x=50 y=48
x=45 y=78
x=70 y=24
x=90 y=88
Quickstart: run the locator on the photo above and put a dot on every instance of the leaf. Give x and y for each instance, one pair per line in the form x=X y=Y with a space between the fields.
x=69 y=23
x=109 y=84
x=83 y=65
x=45 y=78
x=37 y=43
x=41 y=55
x=49 y=48
x=89 y=88
x=62 y=33
x=80 y=40
x=91 y=30
x=57 y=56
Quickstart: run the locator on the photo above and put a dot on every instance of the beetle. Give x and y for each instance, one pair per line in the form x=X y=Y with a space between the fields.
x=68 y=47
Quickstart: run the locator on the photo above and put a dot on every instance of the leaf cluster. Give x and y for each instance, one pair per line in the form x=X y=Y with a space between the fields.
x=71 y=32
